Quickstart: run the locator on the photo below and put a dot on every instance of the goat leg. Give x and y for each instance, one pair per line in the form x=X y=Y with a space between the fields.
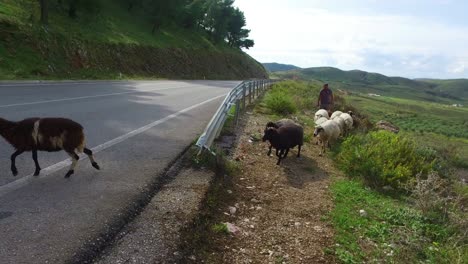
x=269 y=150
x=14 y=170
x=75 y=159
x=286 y=153
x=88 y=152
x=38 y=168
x=279 y=156
x=299 y=151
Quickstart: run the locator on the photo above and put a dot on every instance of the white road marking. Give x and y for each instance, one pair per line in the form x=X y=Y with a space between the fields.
x=38 y=83
x=86 y=97
x=7 y=188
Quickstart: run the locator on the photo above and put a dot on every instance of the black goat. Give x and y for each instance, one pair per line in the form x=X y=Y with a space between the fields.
x=45 y=134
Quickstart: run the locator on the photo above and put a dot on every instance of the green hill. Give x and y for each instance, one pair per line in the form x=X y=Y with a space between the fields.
x=454 y=88
x=444 y=91
x=112 y=39
x=274 y=67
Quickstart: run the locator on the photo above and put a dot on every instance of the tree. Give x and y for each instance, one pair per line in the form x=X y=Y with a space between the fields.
x=72 y=8
x=193 y=14
x=44 y=11
x=162 y=11
x=217 y=18
x=133 y=3
x=246 y=43
x=235 y=28
x=87 y=6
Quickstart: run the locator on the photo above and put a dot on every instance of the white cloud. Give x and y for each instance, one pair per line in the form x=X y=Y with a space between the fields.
x=310 y=37
x=458 y=67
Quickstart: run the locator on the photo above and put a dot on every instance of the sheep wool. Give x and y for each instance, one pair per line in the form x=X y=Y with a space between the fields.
x=335 y=114
x=321 y=113
x=327 y=133
x=348 y=120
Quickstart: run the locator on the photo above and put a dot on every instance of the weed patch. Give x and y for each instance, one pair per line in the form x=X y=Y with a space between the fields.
x=389 y=231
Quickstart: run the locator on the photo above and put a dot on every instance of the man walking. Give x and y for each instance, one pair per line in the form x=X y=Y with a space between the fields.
x=326 y=100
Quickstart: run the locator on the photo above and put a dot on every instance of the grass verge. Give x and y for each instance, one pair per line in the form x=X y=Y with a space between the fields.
x=389 y=230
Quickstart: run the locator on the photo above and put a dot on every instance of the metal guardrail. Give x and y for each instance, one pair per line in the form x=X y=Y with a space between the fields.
x=242 y=95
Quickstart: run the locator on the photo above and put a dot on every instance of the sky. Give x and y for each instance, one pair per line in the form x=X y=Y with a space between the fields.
x=409 y=38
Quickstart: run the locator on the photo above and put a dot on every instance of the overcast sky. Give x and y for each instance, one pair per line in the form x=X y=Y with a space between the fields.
x=410 y=38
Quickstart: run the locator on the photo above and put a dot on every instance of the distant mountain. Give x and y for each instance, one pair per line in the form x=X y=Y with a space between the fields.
x=274 y=67
x=367 y=82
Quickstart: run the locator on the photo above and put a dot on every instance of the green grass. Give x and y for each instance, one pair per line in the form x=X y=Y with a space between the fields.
x=220 y=228
x=391 y=232
x=438 y=126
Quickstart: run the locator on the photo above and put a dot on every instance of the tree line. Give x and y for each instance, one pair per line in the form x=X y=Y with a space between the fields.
x=219 y=18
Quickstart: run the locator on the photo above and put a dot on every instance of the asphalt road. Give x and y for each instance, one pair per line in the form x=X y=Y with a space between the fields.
x=135 y=128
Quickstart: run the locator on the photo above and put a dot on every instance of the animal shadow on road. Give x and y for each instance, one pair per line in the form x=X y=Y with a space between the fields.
x=300 y=171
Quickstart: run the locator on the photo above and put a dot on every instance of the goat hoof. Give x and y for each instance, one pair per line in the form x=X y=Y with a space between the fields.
x=96 y=166
x=69 y=173
x=15 y=172
x=36 y=173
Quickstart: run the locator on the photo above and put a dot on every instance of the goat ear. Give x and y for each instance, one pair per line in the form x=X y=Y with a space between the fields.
x=270 y=124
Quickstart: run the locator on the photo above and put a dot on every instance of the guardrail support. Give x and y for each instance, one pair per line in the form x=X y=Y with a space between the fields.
x=250 y=93
x=257 y=88
x=237 y=112
x=244 y=90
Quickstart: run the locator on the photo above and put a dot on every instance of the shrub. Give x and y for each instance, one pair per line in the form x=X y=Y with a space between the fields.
x=383 y=158
x=280 y=102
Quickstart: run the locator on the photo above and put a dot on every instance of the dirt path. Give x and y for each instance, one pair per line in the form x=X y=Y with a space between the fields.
x=279 y=210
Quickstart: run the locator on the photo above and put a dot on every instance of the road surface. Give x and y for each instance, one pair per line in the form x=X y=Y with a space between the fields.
x=135 y=129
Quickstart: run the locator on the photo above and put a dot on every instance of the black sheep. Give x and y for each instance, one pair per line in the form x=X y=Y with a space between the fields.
x=277 y=124
x=283 y=138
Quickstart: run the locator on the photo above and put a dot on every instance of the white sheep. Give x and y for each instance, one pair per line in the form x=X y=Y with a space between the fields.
x=320 y=120
x=335 y=114
x=327 y=133
x=348 y=120
x=341 y=123
x=321 y=113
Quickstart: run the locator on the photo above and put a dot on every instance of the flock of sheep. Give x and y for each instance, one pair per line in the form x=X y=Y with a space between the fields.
x=286 y=134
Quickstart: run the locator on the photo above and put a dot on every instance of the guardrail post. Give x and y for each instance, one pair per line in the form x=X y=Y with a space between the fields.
x=250 y=93
x=258 y=87
x=253 y=90
x=244 y=90
x=237 y=112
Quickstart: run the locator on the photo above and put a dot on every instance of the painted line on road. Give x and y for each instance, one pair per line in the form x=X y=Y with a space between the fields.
x=38 y=83
x=12 y=186
x=86 y=97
